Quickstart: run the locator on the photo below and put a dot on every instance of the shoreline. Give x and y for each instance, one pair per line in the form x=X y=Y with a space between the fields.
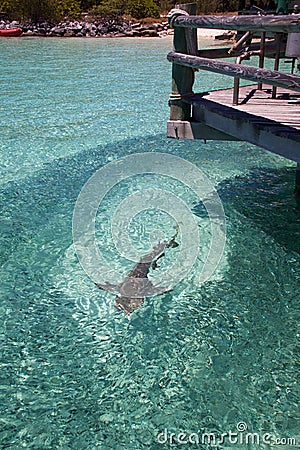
x=104 y=29
x=100 y=28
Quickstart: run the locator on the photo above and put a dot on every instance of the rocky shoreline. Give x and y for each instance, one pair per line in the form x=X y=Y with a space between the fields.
x=92 y=29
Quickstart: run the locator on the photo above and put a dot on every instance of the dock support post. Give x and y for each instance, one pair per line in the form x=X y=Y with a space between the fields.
x=262 y=55
x=236 y=89
x=297 y=185
x=278 y=38
x=182 y=77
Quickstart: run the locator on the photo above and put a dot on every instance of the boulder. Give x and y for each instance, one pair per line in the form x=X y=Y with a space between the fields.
x=77 y=29
x=150 y=33
x=96 y=28
x=69 y=33
x=60 y=31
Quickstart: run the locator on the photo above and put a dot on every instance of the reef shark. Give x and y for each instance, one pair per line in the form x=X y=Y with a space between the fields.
x=136 y=286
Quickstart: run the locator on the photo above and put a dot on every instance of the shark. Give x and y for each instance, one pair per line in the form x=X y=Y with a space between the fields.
x=136 y=285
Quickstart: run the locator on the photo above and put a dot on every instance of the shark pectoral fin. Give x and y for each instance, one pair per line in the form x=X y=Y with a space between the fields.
x=158 y=290
x=106 y=286
x=168 y=290
x=155 y=290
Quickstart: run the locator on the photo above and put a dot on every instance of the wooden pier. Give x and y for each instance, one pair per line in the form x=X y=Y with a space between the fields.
x=273 y=124
x=266 y=113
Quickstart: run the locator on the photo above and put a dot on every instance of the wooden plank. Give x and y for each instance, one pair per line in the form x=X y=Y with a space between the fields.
x=283 y=94
x=180 y=129
x=286 y=107
x=276 y=24
x=275 y=137
x=271 y=77
x=222 y=53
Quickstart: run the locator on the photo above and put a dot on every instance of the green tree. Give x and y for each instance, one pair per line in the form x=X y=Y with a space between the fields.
x=109 y=8
x=142 y=8
x=166 y=5
x=69 y=8
x=37 y=10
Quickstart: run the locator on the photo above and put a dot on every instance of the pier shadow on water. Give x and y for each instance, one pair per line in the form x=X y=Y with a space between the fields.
x=265 y=197
x=198 y=358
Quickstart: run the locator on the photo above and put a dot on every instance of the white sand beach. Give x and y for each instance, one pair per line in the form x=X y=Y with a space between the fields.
x=209 y=32
x=203 y=33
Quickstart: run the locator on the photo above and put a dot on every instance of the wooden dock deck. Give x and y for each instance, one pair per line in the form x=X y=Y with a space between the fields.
x=266 y=114
x=273 y=124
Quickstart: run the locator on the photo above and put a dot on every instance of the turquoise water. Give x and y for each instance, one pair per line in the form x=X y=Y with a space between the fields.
x=77 y=374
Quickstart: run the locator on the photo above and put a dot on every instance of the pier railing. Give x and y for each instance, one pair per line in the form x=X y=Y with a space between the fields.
x=187 y=58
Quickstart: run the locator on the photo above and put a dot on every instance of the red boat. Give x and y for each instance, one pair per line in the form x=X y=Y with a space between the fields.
x=10 y=32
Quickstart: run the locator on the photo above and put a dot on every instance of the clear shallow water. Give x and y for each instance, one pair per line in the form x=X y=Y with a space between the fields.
x=75 y=373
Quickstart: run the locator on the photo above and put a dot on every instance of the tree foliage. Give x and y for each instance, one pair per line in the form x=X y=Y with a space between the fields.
x=216 y=6
x=57 y=9
x=36 y=10
x=166 y=5
x=142 y=8
x=107 y=8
